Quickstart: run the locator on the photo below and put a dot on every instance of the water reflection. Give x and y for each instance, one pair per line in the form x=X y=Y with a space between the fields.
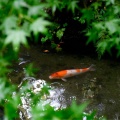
x=56 y=98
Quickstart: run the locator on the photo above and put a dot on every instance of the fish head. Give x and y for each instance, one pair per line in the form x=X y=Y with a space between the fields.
x=50 y=77
x=54 y=76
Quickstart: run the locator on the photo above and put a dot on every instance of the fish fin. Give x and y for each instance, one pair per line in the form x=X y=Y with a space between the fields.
x=92 y=67
x=63 y=79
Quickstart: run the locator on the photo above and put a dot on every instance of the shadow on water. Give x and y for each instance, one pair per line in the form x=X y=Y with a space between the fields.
x=101 y=87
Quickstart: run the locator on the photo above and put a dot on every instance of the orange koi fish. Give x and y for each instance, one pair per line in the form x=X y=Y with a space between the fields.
x=69 y=73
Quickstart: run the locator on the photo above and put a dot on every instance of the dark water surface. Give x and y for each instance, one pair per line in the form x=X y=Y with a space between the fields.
x=101 y=87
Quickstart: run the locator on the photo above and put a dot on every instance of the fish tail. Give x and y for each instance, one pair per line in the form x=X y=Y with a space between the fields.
x=92 y=67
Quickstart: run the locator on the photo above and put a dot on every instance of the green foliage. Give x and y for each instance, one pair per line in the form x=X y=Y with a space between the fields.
x=3 y=67
x=74 y=112
x=39 y=26
x=11 y=107
x=104 y=25
x=30 y=70
x=55 y=31
x=60 y=33
x=20 y=19
x=16 y=37
x=2 y=88
x=7 y=100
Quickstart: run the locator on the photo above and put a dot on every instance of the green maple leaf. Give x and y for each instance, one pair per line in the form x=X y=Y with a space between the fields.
x=16 y=37
x=39 y=25
x=112 y=25
x=73 y=5
x=8 y=24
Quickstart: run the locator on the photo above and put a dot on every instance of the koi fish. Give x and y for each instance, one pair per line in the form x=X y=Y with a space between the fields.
x=69 y=73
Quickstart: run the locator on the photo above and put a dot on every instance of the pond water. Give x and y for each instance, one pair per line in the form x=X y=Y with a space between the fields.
x=101 y=87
